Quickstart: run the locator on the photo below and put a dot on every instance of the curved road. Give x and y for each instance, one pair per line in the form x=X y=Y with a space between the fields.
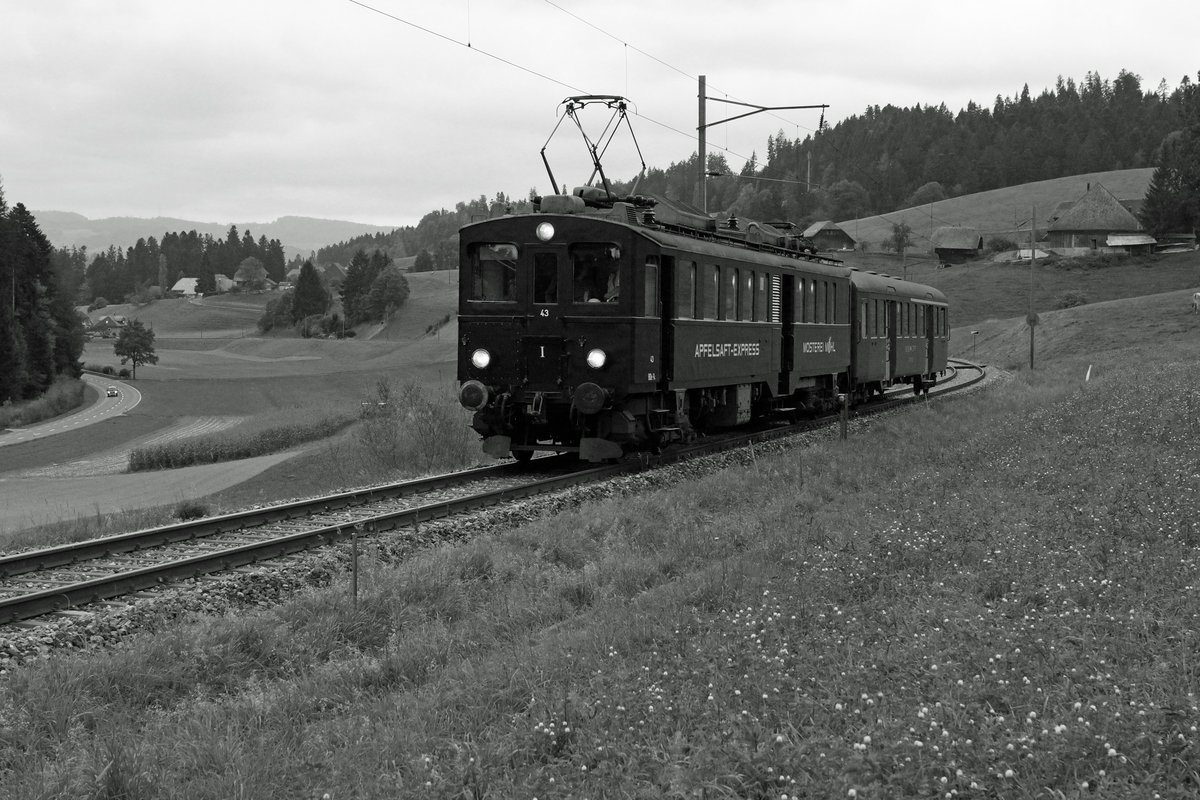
x=103 y=408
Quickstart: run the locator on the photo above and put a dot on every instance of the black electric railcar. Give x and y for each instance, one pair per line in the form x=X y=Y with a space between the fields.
x=601 y=325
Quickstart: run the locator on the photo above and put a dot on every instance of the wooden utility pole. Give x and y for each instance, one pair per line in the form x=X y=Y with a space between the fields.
x=1032 y=319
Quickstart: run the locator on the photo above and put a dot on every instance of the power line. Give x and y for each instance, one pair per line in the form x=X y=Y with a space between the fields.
x=467 y=45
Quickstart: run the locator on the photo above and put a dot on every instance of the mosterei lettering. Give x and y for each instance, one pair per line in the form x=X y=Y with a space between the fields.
x=727 y=349
x=818 y=347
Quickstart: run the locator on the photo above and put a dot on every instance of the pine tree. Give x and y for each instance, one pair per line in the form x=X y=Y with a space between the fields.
x=1172 y=203
x=311 y=295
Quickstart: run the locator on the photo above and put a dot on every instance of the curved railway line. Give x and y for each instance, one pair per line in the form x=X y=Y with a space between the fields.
x=67 y=577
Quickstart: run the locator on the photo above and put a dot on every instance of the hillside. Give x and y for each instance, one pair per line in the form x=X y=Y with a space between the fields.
x=299 y=235
x=204 y=322
x=1002 y=212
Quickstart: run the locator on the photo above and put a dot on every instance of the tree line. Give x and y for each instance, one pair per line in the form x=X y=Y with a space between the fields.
x=117 y=275
x=894 y=157
x=41 y=336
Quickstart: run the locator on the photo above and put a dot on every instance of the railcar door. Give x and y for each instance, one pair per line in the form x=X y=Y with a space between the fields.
x=666 y=312
x=787 y=333
x=543 y=347
x=889 y=335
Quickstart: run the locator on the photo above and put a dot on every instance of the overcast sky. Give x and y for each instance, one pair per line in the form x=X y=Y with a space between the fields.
x=380 y=111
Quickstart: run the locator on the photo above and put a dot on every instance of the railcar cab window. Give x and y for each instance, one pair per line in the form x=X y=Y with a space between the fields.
x=545 y=278
x=596 y=272
x=493 y=268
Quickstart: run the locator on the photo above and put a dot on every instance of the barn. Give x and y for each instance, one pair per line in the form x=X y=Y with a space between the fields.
x=955 y=244
x=1098 y=221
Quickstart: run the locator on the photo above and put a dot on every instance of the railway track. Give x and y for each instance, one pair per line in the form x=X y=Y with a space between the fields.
x=41 y=582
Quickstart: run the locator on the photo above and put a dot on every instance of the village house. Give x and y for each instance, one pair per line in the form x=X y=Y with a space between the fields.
x=828 y=235
x=1097 y=221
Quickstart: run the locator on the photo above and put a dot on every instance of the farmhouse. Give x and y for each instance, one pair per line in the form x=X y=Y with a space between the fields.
x=827 y=235
x=955 y=244
x=1096 y=221
x=185 y=286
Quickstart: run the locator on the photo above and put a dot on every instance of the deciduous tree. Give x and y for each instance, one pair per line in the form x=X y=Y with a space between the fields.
x=135 y=344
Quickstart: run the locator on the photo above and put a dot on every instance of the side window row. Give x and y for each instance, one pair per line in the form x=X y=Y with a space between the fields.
x=717 y=291
x=817 y=301
x=912 y=319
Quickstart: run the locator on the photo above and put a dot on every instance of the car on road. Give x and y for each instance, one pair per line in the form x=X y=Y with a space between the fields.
x=112 y=391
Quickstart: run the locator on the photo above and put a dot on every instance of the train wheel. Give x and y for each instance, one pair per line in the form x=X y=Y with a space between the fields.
x=522 y=456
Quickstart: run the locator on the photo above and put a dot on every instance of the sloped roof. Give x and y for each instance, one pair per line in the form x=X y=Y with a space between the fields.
x=1098 y=210
x=955 y=237
x=823 y=225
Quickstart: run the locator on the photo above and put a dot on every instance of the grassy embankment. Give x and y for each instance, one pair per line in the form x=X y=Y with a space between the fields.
x=993 y=596
x=64 y=396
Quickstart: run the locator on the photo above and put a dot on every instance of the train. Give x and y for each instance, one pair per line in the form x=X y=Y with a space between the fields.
x=603 y=324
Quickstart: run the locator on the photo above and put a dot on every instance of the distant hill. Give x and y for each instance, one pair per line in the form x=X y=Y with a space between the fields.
x=299 y=235
x=998 y=212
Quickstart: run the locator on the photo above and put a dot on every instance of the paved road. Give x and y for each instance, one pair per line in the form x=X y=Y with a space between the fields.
x=103 y=408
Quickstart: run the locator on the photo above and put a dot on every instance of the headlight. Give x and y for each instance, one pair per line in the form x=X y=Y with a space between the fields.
x=481 y=358
x=545 y=231
x=596 y=358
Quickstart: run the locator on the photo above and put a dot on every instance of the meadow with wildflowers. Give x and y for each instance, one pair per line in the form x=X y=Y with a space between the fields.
x=992 y=596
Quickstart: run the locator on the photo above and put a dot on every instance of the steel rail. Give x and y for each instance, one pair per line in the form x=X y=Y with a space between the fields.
x=74 y=595
x=15 y=564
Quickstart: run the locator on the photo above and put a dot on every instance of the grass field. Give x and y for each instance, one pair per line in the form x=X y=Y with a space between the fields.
x=988 y=597
x=993 y=596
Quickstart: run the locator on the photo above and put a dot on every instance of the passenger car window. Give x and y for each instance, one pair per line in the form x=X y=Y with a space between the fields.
x=650 y=287
x=709 y=287
x=685 y=291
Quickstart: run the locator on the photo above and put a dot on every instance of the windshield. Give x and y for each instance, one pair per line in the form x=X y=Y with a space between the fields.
x=493 y=272
x=596 y=270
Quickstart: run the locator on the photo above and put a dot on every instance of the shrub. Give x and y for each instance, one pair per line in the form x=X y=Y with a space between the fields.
x=231 y=447
x=405 y=430
x=998 y=244
x=191 y=510
x=1070 y=299
x=65 y=394
x=98 y=303
x=123 y=373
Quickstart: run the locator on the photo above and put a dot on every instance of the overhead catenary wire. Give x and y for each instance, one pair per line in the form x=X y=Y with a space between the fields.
x=470 y=45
